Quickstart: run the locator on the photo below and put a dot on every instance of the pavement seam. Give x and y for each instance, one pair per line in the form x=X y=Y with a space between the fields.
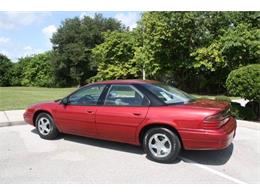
x=6 y=116
x=223 y=175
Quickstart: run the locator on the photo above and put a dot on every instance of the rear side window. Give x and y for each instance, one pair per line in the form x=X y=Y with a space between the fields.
x=125 y=95
x=168 y=94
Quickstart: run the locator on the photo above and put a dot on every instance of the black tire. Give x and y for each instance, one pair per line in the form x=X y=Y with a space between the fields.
x=52 y=133
x=174 y=145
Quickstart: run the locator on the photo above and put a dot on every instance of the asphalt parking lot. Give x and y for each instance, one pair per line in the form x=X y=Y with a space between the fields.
x=26 y=158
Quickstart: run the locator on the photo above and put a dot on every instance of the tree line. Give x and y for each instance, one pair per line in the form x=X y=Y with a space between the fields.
x=195 y=51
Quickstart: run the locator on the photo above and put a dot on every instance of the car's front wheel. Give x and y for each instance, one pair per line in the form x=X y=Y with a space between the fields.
x=161 y=145
x=46 y=126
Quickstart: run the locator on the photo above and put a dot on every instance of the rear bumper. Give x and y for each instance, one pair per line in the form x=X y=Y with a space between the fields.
x=210 y=139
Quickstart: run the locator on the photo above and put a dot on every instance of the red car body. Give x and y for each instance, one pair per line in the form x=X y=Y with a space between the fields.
x=128 y=123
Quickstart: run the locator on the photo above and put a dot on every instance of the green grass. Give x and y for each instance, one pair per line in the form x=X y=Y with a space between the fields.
x=12 y=98
x=213 y=96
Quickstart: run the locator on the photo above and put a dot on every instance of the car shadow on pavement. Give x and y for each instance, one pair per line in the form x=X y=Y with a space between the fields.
x=213 y=157
x=209 y=157
x=99 y=143
x=104 y=144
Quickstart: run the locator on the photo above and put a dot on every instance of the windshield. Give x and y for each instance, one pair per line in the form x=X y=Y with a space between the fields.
x=169 y=94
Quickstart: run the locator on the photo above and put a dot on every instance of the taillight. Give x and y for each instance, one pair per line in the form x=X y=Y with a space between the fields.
x=216 y=121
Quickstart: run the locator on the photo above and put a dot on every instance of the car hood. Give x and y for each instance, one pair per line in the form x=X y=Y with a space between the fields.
x=208 y=104
x=41 y=104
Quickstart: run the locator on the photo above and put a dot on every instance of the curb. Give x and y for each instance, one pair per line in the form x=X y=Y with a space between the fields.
x=11 y=118
x=12 y=123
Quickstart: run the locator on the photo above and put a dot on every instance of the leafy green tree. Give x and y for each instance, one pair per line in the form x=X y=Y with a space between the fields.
x=237 y=47
x=72 y=45
x=37 y=70
x=5 y=67
x=115 y=57
x=186 y=47
x=16 y=73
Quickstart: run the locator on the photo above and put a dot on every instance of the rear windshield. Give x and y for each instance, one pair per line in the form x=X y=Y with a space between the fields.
x=168 y=94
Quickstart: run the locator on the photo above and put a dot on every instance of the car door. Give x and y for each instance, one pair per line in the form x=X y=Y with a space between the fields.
x=123 y=110
x=78 y=115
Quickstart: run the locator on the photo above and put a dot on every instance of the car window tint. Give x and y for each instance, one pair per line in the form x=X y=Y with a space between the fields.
x=124 y=95
x=169 y=94
x=86 y=95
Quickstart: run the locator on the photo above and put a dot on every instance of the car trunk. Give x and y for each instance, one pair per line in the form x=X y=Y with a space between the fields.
x=209 y=104
x=219 y=118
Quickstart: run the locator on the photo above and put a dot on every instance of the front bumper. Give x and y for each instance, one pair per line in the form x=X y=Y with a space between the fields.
x=210 y=139
x=28 y=117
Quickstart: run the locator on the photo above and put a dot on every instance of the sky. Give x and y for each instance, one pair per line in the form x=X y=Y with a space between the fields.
x=26 y=33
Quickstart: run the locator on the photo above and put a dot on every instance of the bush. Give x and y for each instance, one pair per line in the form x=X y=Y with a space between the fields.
x=36 y=70
x=245 y=82
x=16 y=74
x=238 y=111
x=255 y=106
x=5 y=66
x=242 y=113
x=223 y=98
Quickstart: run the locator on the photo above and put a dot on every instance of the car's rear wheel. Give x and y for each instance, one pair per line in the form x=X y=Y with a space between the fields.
x=46 y=126
x=161 y=145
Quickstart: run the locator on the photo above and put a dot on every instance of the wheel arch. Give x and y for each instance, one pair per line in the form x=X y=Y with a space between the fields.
x=149 y=126
x=37 y=113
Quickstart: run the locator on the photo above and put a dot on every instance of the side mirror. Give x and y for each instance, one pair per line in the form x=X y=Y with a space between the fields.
x=65 y=101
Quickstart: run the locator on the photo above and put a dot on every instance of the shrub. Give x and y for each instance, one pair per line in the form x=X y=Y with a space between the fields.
x=16 y=74
x=5 y=66
x=245 y=82
x=255 y=106
x=243 y=113
x=223 y=98
x=37 y=70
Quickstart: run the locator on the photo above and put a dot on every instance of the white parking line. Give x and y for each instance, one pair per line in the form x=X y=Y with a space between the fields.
x=213 y=171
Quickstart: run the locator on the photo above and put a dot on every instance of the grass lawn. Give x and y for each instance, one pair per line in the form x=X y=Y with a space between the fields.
x=12 y=98
x=213 y=97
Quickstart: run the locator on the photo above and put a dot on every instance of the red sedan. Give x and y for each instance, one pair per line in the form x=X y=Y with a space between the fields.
x=159 y=117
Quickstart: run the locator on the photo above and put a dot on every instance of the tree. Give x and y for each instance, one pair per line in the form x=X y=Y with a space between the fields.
x=16 y=72
x=72 y=45
x=115 y=57
x=37 y=70
x=237 y=47
x=178 y=45
x=5 y=67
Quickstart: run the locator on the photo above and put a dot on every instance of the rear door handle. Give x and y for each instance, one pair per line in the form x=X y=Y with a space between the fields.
x=136 y=113
x=90 y=111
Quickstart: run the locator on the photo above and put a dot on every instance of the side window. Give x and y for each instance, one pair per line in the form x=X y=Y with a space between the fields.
x=87 y=95
x=125 y=95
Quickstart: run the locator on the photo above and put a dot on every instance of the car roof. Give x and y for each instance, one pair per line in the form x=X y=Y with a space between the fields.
x=127 y=81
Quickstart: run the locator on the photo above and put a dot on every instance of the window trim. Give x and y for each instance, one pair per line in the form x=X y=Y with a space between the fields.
x=122 y=84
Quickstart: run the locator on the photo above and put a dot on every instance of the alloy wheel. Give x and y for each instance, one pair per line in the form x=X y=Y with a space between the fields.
x=160 y=145
x=44 y=126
